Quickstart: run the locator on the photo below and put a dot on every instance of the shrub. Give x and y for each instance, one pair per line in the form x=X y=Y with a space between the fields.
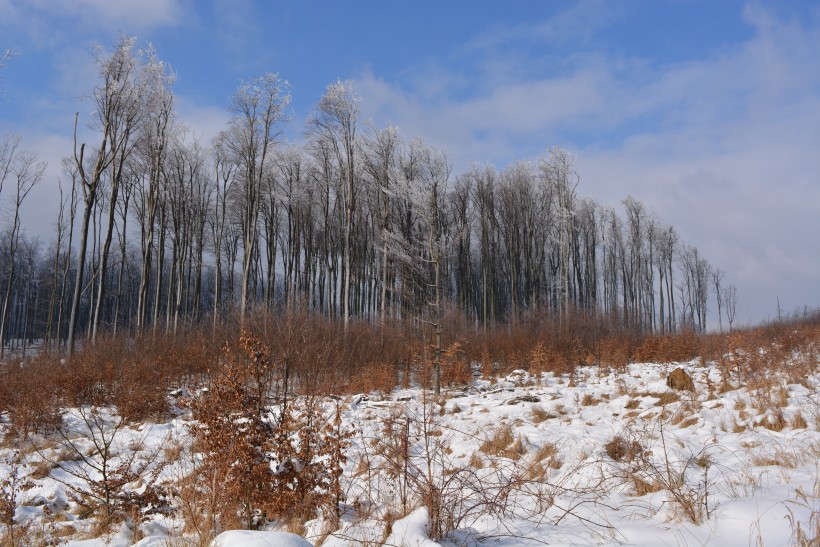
x=261 y=464
x=623 y=450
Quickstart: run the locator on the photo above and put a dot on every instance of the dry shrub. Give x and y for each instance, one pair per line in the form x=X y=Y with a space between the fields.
x=632 y=404
x=266 y=465
x=30 y=393
x=799 y=422
x=665 y=398
x=502 y=443
x=540 y=357
x=680 y=380
x=621 y=449
x=669 y=348
x=590 y=400
x=615 y=351
x=111 y=483
x=376 y=377
x=455 y=368
x=539 y=414
x=11 y=486
x=775 y=421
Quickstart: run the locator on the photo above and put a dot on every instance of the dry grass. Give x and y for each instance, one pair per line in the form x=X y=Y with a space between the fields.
x=643 y=487
x=539 y=414
x=779 y=456
x=503 y=443
x=476 y=461
x=799 y=422
x=623 y=450
x=547 y=455
x=775 y=421
x=590 y=400
x=664 y=398
x=689 y=422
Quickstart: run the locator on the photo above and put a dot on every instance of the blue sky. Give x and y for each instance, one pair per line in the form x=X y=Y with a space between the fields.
x=707 y=111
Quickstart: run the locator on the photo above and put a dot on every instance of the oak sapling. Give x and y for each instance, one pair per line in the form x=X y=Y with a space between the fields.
x=265 y=462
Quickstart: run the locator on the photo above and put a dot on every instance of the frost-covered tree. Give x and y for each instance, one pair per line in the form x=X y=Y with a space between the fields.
x=258 y=108
x=335 y=122
x=156 y=133
x=381 y=162
x=115 y=99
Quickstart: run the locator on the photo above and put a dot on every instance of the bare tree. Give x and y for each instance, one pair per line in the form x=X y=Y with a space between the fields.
x=730 y=302
x=381 y=163
x=430 y=195
x=126 y=123
x=224 y=173
x=484 y=191
x=8 y=151
x=717 y=283
x=112 y=96
x=668 y=243
x=335 y=121
x=156 y=132
x=258 y=107
x=63 y=239
x=559 y=171
x=26 y=171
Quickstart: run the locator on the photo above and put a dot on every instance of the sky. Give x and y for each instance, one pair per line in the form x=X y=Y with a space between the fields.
x=707 y=112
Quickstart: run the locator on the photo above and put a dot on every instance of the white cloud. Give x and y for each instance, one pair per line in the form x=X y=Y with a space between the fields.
x=137 y=15
x=55 y=24
x=205 y=121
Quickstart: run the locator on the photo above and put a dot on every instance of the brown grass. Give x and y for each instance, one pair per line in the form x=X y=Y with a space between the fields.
x=539 y=414
x=590 y=400
x=664 y=398
x=623 y=450
x=799 y=422
x=502 y=443
x=775 y=421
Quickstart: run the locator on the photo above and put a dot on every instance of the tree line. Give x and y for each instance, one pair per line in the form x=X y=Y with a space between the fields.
x=158 y=230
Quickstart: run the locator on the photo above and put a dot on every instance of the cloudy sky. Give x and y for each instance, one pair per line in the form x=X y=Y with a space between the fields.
x=708 y=112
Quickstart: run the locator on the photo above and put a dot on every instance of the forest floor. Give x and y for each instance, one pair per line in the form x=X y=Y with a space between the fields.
x=597 y=457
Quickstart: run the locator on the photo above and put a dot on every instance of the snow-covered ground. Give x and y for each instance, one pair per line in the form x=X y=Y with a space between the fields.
x=600 y=457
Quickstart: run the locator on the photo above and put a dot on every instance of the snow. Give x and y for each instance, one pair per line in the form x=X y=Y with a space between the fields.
x=745 y=484
x=249 y=538
x=411 y=530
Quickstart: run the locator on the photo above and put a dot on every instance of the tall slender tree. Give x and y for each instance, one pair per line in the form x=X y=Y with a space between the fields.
x=25 y=171
x=258 y=109
x=113 y=98
x=335 y=121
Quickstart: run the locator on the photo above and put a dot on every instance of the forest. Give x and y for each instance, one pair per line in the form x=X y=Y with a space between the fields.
x=157 y=230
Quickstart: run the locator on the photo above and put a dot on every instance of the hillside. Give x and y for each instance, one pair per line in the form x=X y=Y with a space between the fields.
x=598 y=456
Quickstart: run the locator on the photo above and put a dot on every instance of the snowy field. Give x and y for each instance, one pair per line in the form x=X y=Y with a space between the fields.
x=597 y=458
